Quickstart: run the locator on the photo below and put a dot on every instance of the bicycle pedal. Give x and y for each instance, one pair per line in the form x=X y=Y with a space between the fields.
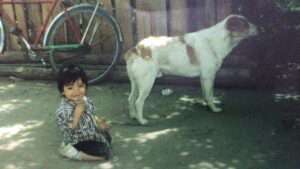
x=33 y=56
x=44 y=63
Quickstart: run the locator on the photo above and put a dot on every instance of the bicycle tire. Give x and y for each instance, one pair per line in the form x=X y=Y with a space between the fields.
x=97 y=59
x=2 y=37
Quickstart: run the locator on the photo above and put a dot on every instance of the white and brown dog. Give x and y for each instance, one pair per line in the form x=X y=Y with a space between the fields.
x=199 y=53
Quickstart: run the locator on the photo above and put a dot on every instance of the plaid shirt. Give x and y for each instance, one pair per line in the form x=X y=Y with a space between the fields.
x=86 y=129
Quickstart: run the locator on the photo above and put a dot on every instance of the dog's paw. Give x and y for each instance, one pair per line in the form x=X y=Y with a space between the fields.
x=132 y=115
x=216 y=110
x=143 y=121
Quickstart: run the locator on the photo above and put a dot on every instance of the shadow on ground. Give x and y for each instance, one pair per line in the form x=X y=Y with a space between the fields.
x=256 y=130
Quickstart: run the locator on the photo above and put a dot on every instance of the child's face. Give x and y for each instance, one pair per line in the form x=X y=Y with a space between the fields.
x=75 y=91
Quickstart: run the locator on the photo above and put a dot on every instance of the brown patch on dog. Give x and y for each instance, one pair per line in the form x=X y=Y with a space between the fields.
x=189 y=51
x=134 y=51
x=237 y=25
x=145 y=52
x=129 y=54
x=140 y=50
x=192 y=56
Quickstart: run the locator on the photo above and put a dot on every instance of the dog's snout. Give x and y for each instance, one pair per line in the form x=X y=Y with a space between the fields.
x=253 y=30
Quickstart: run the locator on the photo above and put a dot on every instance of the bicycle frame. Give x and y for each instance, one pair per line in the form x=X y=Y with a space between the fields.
x=36 y=47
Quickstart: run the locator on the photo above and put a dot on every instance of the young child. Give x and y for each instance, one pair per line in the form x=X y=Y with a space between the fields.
x=85 y=136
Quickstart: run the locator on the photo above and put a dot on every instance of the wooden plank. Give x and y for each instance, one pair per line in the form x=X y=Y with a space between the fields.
x=123 y=11
x=227 y=77
x=46 y=7
x=7 y=45
x=196 y=15
x=133 y=21
x=14 y=40
x=177 y=17
x=14 y=57
x=89 y=59
x=108 y=6
x=158 y=18
x=58 y=9
x=20 y=19
x=210 y=12
x=143 y=20
x=35 y=20
x=29 y=71
x=151 y=18
x=223 y=9
x=232 y=61
x=45 y=11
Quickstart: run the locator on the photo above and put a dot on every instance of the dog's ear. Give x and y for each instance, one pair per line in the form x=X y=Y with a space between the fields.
x=237 y=25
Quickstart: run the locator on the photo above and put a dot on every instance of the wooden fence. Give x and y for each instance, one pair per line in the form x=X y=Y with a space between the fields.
x=137 y=18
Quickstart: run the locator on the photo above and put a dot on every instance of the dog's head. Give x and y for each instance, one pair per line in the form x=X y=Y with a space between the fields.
x=239 y=27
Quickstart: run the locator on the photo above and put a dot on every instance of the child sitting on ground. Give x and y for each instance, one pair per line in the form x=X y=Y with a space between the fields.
x=85 y=136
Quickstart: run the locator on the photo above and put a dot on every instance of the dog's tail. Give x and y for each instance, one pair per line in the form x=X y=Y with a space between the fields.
x=130 y=54
x=139 y=51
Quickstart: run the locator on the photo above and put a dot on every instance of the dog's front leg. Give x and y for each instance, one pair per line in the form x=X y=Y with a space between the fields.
x=207 y=84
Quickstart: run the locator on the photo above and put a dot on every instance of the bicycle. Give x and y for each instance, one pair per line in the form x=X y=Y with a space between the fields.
x=82 y=34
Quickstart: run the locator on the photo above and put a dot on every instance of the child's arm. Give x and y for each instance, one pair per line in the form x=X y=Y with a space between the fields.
x=103 y=124
x=79 y=109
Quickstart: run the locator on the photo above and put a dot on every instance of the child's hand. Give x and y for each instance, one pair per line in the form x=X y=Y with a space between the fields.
x=79 y=109
x=103 y=124
x=80 y=106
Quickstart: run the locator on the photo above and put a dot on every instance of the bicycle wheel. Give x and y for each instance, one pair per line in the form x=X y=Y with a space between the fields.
x=102 y=46
x=2 y=37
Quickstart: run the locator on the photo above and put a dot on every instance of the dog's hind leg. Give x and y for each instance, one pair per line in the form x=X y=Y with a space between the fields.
x=207 y=90
x=144 y=87
x=132 y=98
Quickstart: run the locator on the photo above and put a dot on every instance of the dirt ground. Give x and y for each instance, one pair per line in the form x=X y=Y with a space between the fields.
x=256 y=130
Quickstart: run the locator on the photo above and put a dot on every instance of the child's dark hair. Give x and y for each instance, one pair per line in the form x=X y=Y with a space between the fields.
x=69 y=74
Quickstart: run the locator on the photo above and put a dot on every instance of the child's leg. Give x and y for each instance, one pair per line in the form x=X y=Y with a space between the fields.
x=90 y=149
x=87 y=157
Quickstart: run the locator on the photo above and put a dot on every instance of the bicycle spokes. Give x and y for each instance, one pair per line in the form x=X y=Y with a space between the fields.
x=89 y=24
x=94 y=31
x=99 y=48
